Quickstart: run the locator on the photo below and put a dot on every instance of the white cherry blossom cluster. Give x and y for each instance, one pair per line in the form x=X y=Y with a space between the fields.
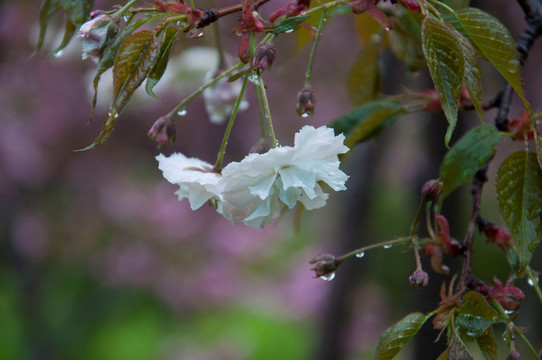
x=255 y=189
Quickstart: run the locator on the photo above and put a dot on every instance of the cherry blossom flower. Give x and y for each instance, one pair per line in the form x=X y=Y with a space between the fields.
x=254 y=188
x=95 y=34
x=195 y=178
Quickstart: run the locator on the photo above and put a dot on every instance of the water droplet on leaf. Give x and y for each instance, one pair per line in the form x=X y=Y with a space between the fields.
x=289 y=31
x=328 y=277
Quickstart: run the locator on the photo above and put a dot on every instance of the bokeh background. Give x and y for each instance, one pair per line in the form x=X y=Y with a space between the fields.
x=98 y=260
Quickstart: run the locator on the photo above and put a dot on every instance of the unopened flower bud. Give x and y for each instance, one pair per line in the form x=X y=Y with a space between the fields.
x=419 y=279
x=162 y=131
x=513 y=355
x=431 y=190
x=96 y=34
x=244 y=48
x=264 y=56
x=325 y=265
x=306 y=102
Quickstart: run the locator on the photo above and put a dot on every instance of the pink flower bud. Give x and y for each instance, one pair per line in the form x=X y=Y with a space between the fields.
x=244 y=48
x=419 y=279
x=306 y=102
x=96 y=34
x=325 y=265
x=431 y=190
x=162 y=131
x=264 y=56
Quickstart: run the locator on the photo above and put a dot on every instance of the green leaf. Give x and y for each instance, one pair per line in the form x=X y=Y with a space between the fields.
x=162 y=59
x=108 y=59
x=467 y=156
x=494 y=41
x=77 y=10
x=134 y=60
x=472 y=75
x=487 y=344
x=519 y=191
x=446 y=64
x=367 y=120
x=457 y=4
x=47 y=10
x=457 y=349
x=289 y=24
x=398 y=335
x=406 y=39
x=365 y=80
x=475 y=316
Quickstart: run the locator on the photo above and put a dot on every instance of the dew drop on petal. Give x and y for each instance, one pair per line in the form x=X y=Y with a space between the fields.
x=360 y=254
x=387 y=246
x=328 y=277
x=181 y=112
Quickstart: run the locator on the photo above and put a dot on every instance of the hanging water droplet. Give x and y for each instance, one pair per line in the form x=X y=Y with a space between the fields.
x=304 y=115
x=514 y=65
x=58 y=53
x=387 y=246
x=508 y=312
x=360 y=254
x=387 y=28
x=254 y=78
x=289 y=31
x=195 y=33
x=181 y=112
x=375 y=38
x=328 y=277
x=530 y=282
x=125 y=18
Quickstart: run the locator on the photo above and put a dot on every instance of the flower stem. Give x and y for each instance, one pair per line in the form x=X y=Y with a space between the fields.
x=222 y=151
x=192 y=96
x=267 y=112
x=527 y=342
x=260 y=110
x=125 y=8
x=308 y=74
x=325 y=6
x=374 y=246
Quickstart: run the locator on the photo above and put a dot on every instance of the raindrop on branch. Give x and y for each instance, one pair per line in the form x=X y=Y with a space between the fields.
x=360 y=254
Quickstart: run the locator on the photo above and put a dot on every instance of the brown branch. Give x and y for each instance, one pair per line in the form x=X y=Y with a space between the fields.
x=533 y=16
x=478 y=181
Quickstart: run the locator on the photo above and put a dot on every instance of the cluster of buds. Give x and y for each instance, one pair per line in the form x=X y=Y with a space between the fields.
x=521 y=128
x=442 y=244
x=292 y=9
x=196 y=18
x=496 y=234
x=361 y=6
x=508 y=296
